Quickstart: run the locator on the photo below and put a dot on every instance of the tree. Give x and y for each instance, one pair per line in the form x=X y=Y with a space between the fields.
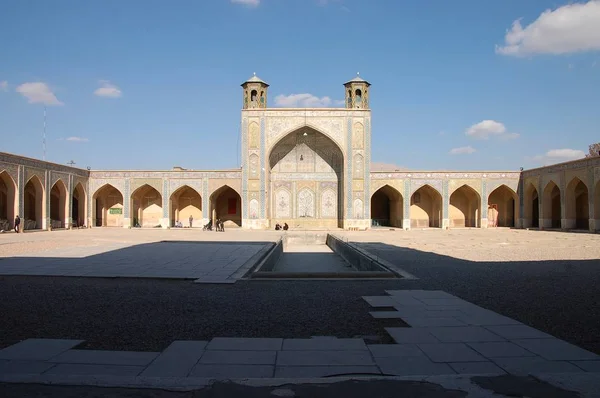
x=594 y=150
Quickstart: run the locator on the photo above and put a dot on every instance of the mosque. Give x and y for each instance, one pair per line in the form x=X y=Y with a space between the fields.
x=309 y=168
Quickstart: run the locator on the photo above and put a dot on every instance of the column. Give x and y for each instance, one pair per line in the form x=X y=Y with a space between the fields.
x=445 y=204
x=126 y=204
x=406 y=204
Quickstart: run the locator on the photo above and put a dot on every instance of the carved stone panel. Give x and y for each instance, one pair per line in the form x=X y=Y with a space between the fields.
x=328 y=204
x=282 y=204
x=359 y=169
x=254 y=166
x=253 y=209
x=358 y=185
x=253 y=132
x=358 y=136
x=358 y=209
x=306 y=203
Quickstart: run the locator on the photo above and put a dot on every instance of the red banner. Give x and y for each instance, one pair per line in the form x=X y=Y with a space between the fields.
x=232 y=206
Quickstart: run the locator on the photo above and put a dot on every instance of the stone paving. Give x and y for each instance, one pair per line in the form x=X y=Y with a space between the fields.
x=214 y=262
x=448 y=336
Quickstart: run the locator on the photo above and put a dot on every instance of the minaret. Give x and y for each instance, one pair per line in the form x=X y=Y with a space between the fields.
x=357 y=93
x=255 y=93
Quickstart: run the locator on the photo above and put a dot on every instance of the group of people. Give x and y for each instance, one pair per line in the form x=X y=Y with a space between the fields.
x=219 y=226
x=279 y=227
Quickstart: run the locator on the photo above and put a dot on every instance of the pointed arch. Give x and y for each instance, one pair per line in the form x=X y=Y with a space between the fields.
x=464 y=208
x=8 y=201
x=282 y=204
x=387 y=207
x=78 y=205
x=577 y=209
x=107 y=206
x=59 y=205
x=33 y=203
x=426 y=208
x=551 y=205
x=146 y=206
x=531 y=207
x=597 y=206
x=226 y=205
x=185 y=205
x=502 y=207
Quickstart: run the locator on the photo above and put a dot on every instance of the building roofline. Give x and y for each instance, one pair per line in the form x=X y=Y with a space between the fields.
x=561 y=163
x=163 y=171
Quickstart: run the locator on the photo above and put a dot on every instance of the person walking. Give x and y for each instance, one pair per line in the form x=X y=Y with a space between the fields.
x=191 y=220
x=17 y=223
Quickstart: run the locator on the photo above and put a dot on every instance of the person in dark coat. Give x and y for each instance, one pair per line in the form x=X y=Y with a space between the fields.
x=17 y=223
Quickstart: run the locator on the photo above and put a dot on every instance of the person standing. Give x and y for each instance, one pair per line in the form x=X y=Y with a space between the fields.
x=17 y=223
x=191 y=220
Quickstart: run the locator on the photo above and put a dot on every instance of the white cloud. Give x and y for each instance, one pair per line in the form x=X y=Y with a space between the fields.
x=38 y=93
x=77 y=139
x=489 y=128
x=107 y=89
x=305 y=101
x=463 y=150
x=3 y=85
x=249 y=3
x=568 y=29
x=559 y=155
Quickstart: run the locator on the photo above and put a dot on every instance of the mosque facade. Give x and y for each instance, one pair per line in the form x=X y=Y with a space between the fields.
x=309 y=168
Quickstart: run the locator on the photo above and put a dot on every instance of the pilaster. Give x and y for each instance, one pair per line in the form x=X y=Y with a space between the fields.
x=406 y=204
x=564 y=222
x=69 y=221
x=348 y=171
x=484 y=205
x=521 y=195
x=46 y=210
x=205 y=202
x=20 y=194
x=127 y=203
x=445 y=204
x=165 y=222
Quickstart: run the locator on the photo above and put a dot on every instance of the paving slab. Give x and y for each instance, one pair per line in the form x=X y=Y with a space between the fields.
x=239 y=357
x=386 y=314
x=451 y=352
x=38 y=349
x=380 y=301
x=556 y=350
x=395 y=350
x=68 y=369
x=420 y=322
x=412 y=366
x=410 y=335
x=511 y=332
x=486 y=320
x=177 y=360
x=98 y=357
x=463 y=334
x=324 y=371
x=323 y=344
x=528 y=365
x=431 y=294
x=325 y=358
x=588 y=366
x=245 y=344
x=476 y=368
x=232 y=371
x=500 y=349
x=24 y=367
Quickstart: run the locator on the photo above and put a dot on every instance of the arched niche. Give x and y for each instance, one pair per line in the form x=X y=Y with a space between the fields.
x=107 y=207
x=226 y=205
x=387 y=207
x=502 y=207
x=186 y=202
x=426 y=208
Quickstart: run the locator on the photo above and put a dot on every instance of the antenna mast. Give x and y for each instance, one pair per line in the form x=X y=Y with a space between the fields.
x=44 y=135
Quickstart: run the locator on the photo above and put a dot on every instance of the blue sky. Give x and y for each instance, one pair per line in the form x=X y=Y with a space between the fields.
x=153 y=84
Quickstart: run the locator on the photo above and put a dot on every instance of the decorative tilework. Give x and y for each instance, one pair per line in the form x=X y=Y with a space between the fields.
x=70 y=200
x=348 y=168
x=522 y=198
x=263 y=168
x=244 y=169
x=484 y=200
x=205 y=199
x=418 y=183
x=445 y=199
x=11 y=169
x=21 y=189
x=165 y=198
x=126 y=199
x=156 y=183
x=406 y=199
x=591 y=193
x=367 y=168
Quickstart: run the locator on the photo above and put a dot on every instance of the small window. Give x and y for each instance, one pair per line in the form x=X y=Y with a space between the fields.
x=253 y=95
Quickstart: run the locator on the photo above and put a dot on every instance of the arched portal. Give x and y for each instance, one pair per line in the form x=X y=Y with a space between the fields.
x=226 y=205
x=577 y=207
x=33 y=202
x=59 y=205
x=426 y=208
x=146 y=206
x=78 y=206
x=387 y=207
x=531 y=208
x=502 y=207
x=107 y=207
x=185 y=203
x=465 y=208
x=551 y=206
x=8 y=202
x=305 y=180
